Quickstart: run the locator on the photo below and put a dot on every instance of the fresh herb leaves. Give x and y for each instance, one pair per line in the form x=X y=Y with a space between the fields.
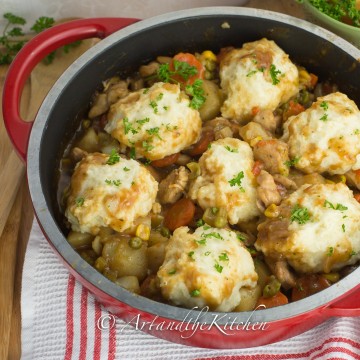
x=13 y=39
x=237 y=181
x=114 y=158
x=274 y=73
x=197 y=92
x=300 y=215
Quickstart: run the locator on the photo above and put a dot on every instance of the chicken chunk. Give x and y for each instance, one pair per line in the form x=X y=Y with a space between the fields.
x=273 y=154
x=267 y=191
x=172 y=187
x=267 y=120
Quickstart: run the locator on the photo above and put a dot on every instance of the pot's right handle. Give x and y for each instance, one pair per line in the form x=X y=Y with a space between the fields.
x=349 y=306
x=32 y=53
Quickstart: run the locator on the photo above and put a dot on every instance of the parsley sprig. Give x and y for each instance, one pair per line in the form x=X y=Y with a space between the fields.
x=181 y=68
x=185 y=71
x=197 y=93
x=300 y=214
x=13 y=37
x=237 y=181
x=339 y=10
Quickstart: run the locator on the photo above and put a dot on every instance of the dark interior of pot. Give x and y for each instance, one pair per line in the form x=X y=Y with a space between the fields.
x=127 y=53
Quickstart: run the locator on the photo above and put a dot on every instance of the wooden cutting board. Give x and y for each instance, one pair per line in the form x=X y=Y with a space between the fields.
x=16 y=213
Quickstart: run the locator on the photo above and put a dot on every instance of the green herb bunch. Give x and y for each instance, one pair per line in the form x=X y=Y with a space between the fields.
x=13 y=37
x=344 y=10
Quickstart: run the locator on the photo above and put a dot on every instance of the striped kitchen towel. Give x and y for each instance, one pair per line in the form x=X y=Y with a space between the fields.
x=62 y=320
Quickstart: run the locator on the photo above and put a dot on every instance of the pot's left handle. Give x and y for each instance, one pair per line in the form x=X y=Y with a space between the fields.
x=32 y=53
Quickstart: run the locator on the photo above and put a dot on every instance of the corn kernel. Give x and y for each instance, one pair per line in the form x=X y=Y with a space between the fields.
x=255 y=140
x=272 y=211
x=143 y=232
x=209 y=55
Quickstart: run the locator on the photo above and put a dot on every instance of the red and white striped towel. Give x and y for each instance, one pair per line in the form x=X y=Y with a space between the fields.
x=60 y=320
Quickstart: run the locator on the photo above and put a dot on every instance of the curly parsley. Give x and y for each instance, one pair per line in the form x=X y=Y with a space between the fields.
x=114 y=158
x=237 y=181
x=274 y=73
x=197 y=93
x=300 y=215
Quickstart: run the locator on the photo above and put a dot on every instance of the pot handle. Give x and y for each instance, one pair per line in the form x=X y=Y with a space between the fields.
x=348 y=306
x=32 y=53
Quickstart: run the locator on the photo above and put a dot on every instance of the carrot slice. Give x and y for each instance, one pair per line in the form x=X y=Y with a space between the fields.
x=201 y=146
x=278 y=299
x=180 y=214
x=166 y=161
x=192 y=61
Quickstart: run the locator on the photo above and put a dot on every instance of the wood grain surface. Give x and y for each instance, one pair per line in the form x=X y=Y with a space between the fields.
x=16 y=213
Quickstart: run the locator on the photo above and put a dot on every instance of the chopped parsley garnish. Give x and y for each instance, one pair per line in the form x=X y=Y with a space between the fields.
x=207 y=253
x=114 y=158
x=154 y=105
x=191 y=254
x=159 y=97
x=324 y=117
x=339 y=10
x=195 y=293
x=172 y=272
x=128 y=127
x=343 y=227
x=330 y=251
x=79 y=201
x=146 y=90
x=126 y=169
x=200 y=222
x=132 y=153
x=218 y=268
x=292 y=162
x=143 y=121
x=274 y=73
x=353 y=253
x=324 y=105
x=181 y=68
x=237 y=181
x=147 y=146
x=240 y=237
x=339 y=207
x=155 y=132
x=197 y=92
x=357 y=132
x=212 y=234
x=251 y=73
x=300 y=215
x=166 y=108
x=228 y=148
x=113 y=182
x=201 y=242
x=223 y=257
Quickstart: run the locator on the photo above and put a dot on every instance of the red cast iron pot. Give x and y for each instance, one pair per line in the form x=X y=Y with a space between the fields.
x=121 y=53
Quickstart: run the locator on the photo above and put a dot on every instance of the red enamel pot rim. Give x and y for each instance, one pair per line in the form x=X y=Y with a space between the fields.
x=322 y=302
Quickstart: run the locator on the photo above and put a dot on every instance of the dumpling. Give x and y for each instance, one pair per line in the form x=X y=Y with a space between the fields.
x=316 y=230
x=326 y=136
x=206 y=268
x=258 y=76
x=156 y=122
x=227 y=180
x=109 y=191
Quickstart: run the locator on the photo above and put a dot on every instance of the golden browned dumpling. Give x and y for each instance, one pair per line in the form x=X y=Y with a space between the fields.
x=227 y=180
x=106 y=192
x=316 y=230
x=206 y=268
x=325 y=137
x=256 y=77
x=157 y=121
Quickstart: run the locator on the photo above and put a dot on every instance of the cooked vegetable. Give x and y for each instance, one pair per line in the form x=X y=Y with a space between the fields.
x=268 y=302
x=180 y=214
